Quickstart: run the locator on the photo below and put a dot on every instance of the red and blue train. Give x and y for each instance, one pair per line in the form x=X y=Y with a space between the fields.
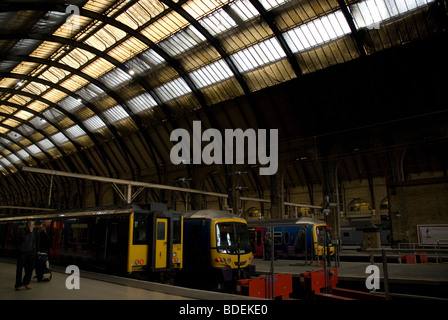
x=293 y=238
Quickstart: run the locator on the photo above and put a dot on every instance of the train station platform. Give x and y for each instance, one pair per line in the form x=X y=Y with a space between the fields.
x=411 y=273
x=96 y=286
x=423 y=277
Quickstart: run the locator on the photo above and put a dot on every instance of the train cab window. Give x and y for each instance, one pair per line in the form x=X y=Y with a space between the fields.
x=140 y=228
x=322 y=233
x=160 y=230
x=286 y=238
x=231 y=236
x=177 y=230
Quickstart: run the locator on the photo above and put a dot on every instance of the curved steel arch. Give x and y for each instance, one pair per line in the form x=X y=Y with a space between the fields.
x=217 y=45
x=267 y=16
x=67 y=114
x=60 y=150
x=152 y=149
x=49 y=157
x=175 y=64
x=91 y=80
x=27 y=185
x=76 y=96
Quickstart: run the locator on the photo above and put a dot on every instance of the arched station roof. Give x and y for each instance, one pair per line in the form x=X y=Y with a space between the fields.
x=96 y=86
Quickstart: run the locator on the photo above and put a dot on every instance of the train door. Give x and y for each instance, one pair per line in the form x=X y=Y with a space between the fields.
x=259 y=241
x=161 y=253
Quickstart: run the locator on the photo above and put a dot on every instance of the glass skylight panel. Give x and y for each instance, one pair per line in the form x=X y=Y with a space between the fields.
x=137 y=65
x=213 y=73
x=5 y=162
x=4 y=141
x=317 y=32
x=90 y=91
x=70 y=104
x=52 y=114
x=258 y=55
x=33 y=149
x=370 y=12
x=13 y=158
x=39 y=122
x=115 y=114
x=217 y=22
x=269 y=4
x=151 y=57
x=23 y=154
x=115 y=78
x=26 y=130
x=94 y=123
x=244 y=9
x=59 y=138
x=45 y=144
x=141 y=103
x=14 y=136
x=75 y=132
x=180 y=42
x=173 y=89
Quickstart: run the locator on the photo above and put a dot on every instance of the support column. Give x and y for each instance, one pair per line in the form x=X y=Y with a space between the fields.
x=232 y=183
x=277 y=195
x=330 y=197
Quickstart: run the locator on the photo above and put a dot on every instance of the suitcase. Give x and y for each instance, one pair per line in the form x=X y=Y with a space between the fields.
x=43 y=268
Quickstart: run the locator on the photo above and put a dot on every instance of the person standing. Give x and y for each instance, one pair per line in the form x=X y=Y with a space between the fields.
x=26 y=248
x=267 y=247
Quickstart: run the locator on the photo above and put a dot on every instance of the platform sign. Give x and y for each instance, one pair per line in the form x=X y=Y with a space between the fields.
x=433 y=234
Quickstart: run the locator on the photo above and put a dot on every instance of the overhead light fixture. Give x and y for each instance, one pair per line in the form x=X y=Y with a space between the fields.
x=20 y=83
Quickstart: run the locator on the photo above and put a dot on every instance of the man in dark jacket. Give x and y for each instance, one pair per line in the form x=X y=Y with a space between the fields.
x=26 y=247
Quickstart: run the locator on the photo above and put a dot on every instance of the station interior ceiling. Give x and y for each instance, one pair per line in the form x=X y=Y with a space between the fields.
x=96 y=87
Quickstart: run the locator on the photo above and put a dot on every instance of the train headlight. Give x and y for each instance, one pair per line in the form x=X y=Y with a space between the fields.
x=137 y=262
x=174 y=254
x=228 y=260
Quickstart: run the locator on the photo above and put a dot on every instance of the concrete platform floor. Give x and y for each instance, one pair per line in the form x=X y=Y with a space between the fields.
x=56 y=289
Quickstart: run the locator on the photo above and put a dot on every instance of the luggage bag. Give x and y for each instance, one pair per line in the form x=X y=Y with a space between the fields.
x=43 y=268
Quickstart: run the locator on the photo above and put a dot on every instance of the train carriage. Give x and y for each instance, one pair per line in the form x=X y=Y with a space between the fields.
x=293 y=238
x=217 y=249
x=128 y=239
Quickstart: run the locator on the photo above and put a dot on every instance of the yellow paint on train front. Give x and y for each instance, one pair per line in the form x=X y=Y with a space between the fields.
x=318 y=248
x=229 y=260
x=137 y=254
x=161 y=243
x=178 y=248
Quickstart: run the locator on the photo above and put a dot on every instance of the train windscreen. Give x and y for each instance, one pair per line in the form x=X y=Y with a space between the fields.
x=231 y=236
x=321 y=230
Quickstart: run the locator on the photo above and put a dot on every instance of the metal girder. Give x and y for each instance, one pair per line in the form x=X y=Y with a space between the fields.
x=117 y=24
x=92 y=107
x=80 y=74
x=130 y=184
x=267 y=16
x=67 y=114
x=219 y=48
x=354 y=31
x=60 y=8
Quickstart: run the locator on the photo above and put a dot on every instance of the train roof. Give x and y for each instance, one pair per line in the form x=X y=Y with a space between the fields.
x=210 y=214
x=270 y=222
x=75 y=213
